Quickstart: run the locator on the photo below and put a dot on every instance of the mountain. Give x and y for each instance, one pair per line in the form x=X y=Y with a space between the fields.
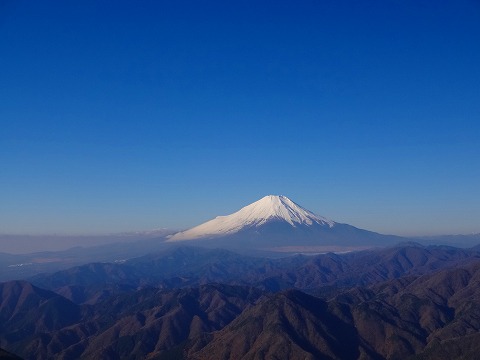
x=268 y=209
x=278 y=223
x=433 y=316
x=26 y=311
x=186 y=266
x=149 y=323
x=288 y=325
x=407 y=301
x=173 y=268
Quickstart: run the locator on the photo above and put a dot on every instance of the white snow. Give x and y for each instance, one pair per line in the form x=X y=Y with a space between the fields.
x=271 y=207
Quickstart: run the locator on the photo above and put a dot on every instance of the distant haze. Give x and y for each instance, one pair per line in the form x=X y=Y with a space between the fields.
x=273 y=223
x=23 y=244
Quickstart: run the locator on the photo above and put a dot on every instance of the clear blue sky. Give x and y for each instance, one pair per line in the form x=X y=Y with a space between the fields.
x=121 y=115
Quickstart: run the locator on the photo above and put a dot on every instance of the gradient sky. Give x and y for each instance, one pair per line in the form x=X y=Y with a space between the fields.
x=123 y=116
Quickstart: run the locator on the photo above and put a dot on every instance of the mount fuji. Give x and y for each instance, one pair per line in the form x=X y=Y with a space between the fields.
x=277 y=223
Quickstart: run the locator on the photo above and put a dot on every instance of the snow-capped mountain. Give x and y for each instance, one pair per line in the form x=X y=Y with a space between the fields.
x=277 y=221
x=267 y=209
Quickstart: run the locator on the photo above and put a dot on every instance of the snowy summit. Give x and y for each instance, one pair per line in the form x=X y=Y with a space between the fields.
x=267 y=209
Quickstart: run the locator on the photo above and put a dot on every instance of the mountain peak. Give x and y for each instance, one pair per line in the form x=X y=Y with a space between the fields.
x=280 y=207
x=267 y=209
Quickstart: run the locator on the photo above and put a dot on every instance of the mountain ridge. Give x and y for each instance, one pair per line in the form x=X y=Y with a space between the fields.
x=406 y=301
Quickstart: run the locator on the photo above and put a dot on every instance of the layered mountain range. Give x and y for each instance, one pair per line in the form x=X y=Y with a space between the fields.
x=196 y=294
x=406 y=301
x=273 y=226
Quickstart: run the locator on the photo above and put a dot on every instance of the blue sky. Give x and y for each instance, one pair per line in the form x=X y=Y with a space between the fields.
x=117 y=116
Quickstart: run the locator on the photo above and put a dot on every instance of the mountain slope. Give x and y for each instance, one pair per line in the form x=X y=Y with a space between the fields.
x=433 y=316
x=139 y=324
x=289 y=325
x=269 y=208
x=26 y=311
x=275 y=222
